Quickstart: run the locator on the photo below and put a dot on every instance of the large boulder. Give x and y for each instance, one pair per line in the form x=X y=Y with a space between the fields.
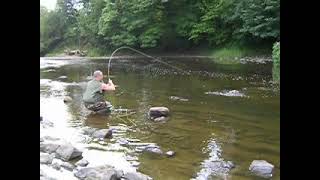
x=136 y=176
x=67 y=152
x=46 y=158
x=155 y=112
x=102 y=133
x=261 y=168
x=100 y=172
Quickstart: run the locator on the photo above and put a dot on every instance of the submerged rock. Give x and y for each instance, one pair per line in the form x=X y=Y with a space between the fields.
x=99 y=172
x=261 y=168
x=102 y=133
x=82 y=163
x=160 y=119
x=67 y=152
x=136 y=176
x=151 y=149
x=155 y=112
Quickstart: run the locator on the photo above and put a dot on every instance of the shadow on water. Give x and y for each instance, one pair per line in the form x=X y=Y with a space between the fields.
x=204 y=129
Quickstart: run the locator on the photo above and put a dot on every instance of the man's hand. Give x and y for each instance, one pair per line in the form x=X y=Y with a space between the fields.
x=109 y=87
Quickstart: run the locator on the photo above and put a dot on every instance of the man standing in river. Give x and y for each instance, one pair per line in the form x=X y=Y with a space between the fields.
x=93 y=96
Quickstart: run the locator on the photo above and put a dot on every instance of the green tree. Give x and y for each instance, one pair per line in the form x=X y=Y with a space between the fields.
x=260 y=19
x=136 y=23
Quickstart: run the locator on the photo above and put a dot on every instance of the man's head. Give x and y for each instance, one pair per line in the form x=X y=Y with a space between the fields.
x=98 y=75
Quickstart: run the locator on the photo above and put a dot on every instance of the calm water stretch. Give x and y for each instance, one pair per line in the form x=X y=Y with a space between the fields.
x=218 y=113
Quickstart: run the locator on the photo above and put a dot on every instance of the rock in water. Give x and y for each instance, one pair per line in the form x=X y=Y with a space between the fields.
x=261 y=168
x=170 y=153
x=82 y=163
x=99 y=172
x=160 y=119
x=155 y=112
x=229 y=165
x=102 y=133
x=136 y=176
x=63 y=77
x=46 y=158
x=155 y=150
x=67 y=99
x=67 y=152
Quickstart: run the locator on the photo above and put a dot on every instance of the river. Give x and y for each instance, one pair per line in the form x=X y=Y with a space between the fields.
x=218 y=113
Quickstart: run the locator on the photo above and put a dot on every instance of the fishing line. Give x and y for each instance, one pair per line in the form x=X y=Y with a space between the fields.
x=146 y=55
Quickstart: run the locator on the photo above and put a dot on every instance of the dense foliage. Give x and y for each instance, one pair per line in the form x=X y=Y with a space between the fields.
x=276 y=62
x=158 y=24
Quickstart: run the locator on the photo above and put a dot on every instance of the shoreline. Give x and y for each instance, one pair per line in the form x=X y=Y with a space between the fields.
x=262 y=59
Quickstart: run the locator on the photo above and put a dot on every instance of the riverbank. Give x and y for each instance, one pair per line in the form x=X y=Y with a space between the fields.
x=223 y=55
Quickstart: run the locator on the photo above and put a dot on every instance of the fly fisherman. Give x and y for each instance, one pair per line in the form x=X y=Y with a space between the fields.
x=93 y=96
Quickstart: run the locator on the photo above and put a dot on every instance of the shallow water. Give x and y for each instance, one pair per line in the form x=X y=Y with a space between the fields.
x=204 y=128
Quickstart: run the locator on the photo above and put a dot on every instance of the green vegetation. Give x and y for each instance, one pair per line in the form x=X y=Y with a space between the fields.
x=276 y=62
x=100 y=26
x=232 y=54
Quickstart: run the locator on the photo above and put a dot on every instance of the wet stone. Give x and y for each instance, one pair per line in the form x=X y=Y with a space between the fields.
x=261 y=168
x=170 y=153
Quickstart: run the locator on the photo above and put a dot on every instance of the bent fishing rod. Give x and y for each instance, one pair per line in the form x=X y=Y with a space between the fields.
x=146 y=55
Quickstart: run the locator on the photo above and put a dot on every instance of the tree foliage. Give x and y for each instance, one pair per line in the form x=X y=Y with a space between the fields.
x=159 y=24
x=276 y=62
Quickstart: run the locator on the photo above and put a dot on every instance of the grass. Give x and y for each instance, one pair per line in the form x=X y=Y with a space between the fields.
x=232 y=54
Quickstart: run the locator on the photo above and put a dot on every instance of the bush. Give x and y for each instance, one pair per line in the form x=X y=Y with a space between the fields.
x=276 y=62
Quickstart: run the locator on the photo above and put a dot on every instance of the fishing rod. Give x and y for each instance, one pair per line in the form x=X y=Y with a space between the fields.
x=146 y=55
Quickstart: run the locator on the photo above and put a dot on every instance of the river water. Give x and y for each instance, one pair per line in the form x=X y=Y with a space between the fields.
x=218 y=113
